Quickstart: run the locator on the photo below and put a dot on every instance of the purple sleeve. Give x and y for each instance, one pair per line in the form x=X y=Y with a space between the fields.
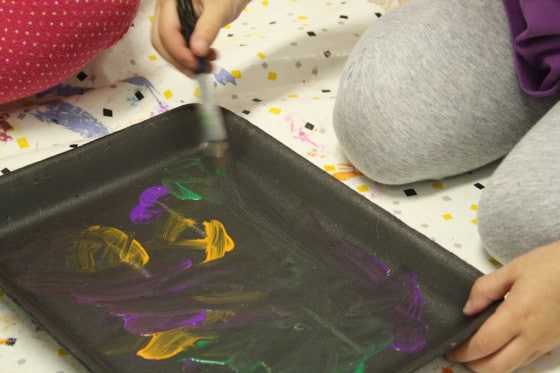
x=535 y=28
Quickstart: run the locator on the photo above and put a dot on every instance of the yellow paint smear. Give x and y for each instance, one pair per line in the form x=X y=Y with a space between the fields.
x=105 y=247
x=346 y=175
x=167 y=344
x=174 y=225
x=216 y=244
x=8 y=341
x=215 y=316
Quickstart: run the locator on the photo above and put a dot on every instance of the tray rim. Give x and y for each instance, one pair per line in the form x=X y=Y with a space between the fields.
x=66 y=340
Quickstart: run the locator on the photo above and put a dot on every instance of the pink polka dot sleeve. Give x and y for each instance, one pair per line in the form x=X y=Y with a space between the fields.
x=43 y=42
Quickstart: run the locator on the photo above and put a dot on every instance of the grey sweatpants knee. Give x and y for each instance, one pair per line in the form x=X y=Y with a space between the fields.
x=430 y=91
x=520 y=208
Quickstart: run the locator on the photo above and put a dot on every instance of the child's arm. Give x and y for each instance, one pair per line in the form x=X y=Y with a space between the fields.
x=212 y=16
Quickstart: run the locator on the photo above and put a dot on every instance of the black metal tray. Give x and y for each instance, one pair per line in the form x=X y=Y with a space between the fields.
x=138 y=255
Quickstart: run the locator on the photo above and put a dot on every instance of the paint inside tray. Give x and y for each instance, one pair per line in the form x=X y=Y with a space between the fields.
x=138 y=255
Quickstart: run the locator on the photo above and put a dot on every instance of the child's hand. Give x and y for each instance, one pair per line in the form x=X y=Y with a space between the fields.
x=527 y=323
x=166 y=31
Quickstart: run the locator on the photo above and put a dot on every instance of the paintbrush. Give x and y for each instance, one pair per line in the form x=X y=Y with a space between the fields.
x=215 y=143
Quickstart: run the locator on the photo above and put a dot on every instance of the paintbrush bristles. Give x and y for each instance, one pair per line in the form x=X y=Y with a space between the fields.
x=216 y=149
x=213 y=126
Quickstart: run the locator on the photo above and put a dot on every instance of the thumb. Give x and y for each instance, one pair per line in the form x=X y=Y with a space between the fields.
x=488 y=289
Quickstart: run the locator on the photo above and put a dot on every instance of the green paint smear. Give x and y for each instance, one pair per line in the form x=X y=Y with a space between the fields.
x=361 y=368
x=181 y=192
x=294 y=276
x=257 y=367
x=190 y=178
x=203 y=342
x=207 y=361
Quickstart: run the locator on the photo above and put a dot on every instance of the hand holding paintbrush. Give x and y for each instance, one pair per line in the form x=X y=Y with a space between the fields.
x=189 y=50
x=209 y=16
x=214 y=131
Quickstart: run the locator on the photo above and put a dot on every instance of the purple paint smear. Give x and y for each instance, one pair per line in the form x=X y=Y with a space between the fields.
x=146 y=211
x=148 y=324
x=71 y=117
x=63 y=90
x=409 y=331
x=224 y=77
x=142 y=82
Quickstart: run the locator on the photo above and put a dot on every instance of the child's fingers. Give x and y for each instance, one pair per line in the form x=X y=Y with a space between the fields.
x=211 y=20
x=507 y=359
x=168 y=41
x=492 y=336
x=488 y=289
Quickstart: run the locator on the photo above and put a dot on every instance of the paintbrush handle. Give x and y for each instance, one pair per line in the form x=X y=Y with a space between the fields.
x=214 y=130
x=187 y=18
x=212 y=118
